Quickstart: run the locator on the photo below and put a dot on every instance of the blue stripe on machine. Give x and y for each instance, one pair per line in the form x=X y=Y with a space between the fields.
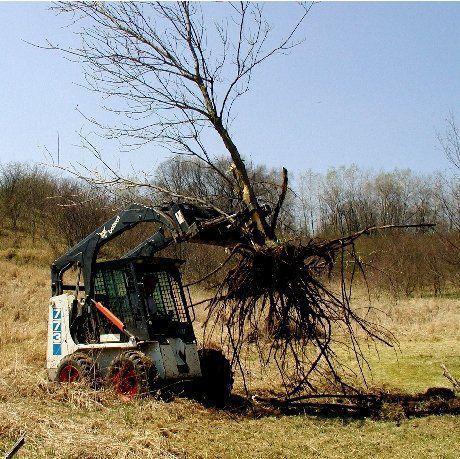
x=56 y=349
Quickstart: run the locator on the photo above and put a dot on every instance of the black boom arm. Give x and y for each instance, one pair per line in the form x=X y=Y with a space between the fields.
x=84 y=253
x=184 y=222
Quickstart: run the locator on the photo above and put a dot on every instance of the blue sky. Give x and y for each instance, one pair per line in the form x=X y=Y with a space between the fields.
x=371 y=85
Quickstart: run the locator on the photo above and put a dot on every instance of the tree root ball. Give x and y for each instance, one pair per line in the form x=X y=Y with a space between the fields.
x=275 y=300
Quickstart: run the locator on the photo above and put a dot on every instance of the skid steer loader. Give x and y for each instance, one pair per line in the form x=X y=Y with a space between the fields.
x=127 y=322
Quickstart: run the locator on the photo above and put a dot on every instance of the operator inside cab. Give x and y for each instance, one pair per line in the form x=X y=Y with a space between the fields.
x=150 y=282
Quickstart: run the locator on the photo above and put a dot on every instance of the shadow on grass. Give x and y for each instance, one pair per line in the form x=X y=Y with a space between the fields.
x=385 y=406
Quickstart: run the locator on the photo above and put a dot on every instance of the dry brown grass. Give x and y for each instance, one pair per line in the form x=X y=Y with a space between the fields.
x=74 y=422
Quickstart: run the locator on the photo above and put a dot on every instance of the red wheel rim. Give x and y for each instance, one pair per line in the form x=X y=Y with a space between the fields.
x=69 y=373
x=125 y=382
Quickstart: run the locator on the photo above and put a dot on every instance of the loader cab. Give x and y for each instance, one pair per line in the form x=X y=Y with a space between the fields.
x=125 y=323
x=147 y=295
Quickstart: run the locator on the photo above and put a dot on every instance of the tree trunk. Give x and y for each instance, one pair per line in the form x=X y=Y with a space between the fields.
x=248 y=195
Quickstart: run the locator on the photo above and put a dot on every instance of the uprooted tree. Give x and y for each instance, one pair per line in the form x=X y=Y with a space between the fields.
x=173 y=72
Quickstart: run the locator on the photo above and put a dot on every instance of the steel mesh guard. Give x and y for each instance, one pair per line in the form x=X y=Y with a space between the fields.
x=116 y=286
x=167 y=297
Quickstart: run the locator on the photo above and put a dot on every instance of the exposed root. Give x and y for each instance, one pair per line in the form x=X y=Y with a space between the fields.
x=275 y=301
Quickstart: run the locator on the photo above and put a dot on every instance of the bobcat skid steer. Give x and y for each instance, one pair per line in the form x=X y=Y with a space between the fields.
x=126 y=322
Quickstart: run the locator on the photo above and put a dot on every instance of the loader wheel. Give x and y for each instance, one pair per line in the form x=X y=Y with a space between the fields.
x=78 y=367
x=131 y=374
x=217 y=376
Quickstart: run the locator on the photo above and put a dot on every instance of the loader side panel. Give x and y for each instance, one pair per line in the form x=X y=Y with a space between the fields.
x=60 y=343
x=180 y=360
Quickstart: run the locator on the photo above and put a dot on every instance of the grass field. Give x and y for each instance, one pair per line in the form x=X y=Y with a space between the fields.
x=72 y=422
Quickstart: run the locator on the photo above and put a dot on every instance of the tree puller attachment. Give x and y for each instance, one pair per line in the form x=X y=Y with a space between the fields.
x=127 y=322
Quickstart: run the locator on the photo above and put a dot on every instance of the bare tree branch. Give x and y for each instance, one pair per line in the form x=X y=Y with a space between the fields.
x=172 y=82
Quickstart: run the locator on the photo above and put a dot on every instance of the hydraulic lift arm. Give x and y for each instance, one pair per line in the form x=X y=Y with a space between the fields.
x=184 y=222
x=84 y=253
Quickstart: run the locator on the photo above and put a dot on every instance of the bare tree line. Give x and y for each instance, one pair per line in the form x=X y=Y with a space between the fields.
x=342 y=200
x=61 y=210
x=38 y=204
x=346 y=199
